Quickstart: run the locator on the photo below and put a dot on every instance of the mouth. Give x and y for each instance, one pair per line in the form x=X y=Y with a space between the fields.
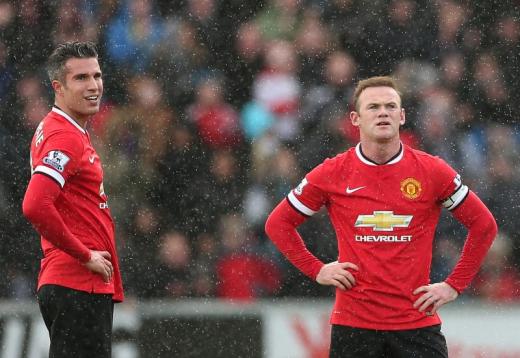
x=383 y=123
x=92 y=98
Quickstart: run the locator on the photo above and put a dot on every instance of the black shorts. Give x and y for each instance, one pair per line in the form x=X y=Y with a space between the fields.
x=79 y=323
x=427 y=342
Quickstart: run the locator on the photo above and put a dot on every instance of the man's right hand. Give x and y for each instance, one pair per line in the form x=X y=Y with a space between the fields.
x=100 y=263
x=337 y=274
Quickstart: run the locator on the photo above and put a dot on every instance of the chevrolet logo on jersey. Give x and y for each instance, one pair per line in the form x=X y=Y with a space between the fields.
x=383 y=221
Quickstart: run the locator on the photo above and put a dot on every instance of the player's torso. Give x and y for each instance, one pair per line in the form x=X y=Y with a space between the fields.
x=385 y=218
x=390 y=205
x=82 y=199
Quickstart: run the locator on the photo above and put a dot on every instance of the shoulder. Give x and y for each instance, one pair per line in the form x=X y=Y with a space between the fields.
x=330 y=168
x=65 y=136
x=426 y=159
x=58 y=135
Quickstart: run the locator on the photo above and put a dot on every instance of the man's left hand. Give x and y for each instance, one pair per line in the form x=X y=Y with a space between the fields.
x=434 y=296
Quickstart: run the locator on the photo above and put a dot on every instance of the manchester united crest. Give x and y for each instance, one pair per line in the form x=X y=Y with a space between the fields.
x=411 y=188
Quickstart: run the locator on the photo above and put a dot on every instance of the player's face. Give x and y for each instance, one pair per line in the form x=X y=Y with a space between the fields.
x=380 y=114
x=80 y=94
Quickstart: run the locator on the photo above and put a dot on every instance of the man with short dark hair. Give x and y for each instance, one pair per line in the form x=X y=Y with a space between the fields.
x=384 y=200
x=79 y=278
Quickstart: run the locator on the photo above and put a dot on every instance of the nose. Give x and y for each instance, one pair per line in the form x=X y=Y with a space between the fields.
x=94 y=84
x=383 y=112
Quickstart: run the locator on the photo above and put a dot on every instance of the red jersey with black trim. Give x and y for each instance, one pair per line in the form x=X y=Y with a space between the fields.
x=384 y=217
x=62 y=150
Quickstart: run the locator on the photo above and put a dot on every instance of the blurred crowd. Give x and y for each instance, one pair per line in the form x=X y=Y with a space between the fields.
x=214 y=109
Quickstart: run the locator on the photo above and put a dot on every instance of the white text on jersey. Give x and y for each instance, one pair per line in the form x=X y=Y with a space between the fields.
x=383 y=238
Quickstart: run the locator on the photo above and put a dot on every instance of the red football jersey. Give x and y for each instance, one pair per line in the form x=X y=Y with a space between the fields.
x=61 y=149
x=384 y=217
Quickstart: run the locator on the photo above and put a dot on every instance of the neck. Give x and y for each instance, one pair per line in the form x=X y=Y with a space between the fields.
x=81 y=121
x=380 y=153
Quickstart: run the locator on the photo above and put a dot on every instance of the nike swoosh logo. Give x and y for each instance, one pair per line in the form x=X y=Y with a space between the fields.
x=91 y=159
x=350 y=191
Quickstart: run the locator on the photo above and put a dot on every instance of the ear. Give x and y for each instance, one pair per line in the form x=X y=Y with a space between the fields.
x=354 y=118
x=57 y=86
x=403 y=117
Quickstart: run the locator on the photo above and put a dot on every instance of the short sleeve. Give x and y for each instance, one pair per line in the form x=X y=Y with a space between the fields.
x=60 y=156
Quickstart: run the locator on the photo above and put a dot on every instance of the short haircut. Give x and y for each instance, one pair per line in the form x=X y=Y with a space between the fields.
x=64 y=52
x=377 y=81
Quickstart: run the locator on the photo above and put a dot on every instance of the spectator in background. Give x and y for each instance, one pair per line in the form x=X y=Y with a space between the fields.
x=72 y=24
x=452 y=17
x=7 y=18
x=221 y=190
x=501 y=184
x=33 y=100
x=279 y=20
x=498 y=280
x=347 y=19
x=275 y=173
x=248 y=56
x=490 y=88
x=138 y=135
x=173 y=274
x=403 y=31
x=276 y=90
x=506 y=42
x=216 y=121
x=242 y=273
x=453 y=74
x=313 y=42
x=180 y=62
x=31 y=15
x=212 y=32
x=203 y=265
x=133 y=36
x=324 y=113
x=140 y=236
x=435 y=122
x=6 y=73
x=181 y=172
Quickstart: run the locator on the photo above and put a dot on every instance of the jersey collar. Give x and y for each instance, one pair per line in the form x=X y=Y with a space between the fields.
x=68 y=118
x=396 y=158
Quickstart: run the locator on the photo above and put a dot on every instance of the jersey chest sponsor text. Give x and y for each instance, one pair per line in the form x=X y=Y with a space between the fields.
x=382 y=220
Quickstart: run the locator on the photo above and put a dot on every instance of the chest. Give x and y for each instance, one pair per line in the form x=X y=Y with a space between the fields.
x=89 y=168
x=397 y=189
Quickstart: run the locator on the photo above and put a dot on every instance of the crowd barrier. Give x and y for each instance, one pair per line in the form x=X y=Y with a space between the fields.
x=267 y=329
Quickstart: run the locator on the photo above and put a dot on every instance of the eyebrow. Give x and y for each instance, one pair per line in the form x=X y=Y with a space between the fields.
x=384 y=103
x=83 y=74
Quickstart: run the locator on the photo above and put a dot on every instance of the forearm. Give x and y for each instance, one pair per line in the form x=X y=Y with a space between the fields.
x=281 y=228
x=482 y=230
x=38 y=207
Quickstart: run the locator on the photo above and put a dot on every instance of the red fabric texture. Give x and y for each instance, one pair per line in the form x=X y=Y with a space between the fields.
x=482 y=230
x=244 y=276
x=218 y=125
x=281 y=229
x=38 y=208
